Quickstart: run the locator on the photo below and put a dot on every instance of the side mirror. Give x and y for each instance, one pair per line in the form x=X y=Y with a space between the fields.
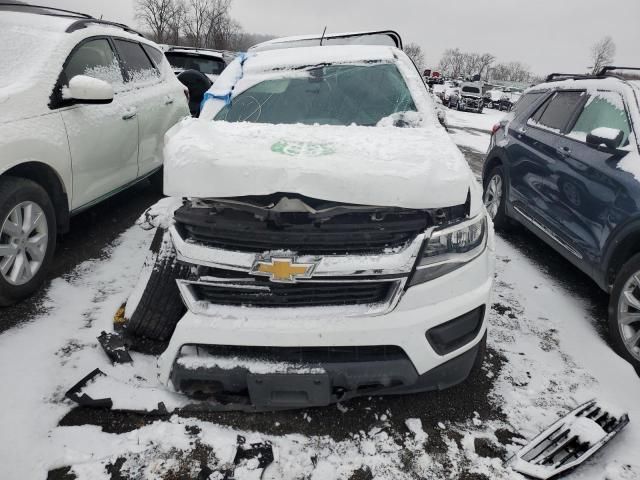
x=610 y=137
x=84 y=89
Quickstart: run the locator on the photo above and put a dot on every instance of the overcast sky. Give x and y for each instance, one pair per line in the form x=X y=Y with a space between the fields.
x=548 y=35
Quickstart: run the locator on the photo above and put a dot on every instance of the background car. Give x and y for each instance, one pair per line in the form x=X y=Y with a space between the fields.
x=492 y=98
x=566 y=165
x=85 y=106
x=468 y=97
x=209 y=62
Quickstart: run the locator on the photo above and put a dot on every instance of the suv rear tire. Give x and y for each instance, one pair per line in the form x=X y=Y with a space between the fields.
x=495 y=192
x=34 y=242
x=624 y=317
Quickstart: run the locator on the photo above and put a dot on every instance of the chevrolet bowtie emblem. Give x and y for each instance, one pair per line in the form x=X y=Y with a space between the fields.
x=283 y=270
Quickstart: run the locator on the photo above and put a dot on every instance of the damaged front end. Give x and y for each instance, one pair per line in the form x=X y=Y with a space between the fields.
x=289 y=258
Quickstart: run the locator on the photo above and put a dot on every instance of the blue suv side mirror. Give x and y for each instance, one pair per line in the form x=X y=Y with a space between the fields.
x=609 y=137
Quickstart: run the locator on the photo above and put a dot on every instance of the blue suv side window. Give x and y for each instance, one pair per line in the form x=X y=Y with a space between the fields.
x=603 y=109
x=557 y=111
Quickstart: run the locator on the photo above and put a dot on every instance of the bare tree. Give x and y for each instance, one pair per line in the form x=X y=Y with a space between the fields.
x=414 y=51
x=602 y=53
x=196 y=23
x=456 y=64
x=484 y=62
x=177 y=23
x=512 y=72
x=155 y=16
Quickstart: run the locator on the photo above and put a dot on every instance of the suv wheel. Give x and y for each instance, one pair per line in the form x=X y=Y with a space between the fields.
x=27 y=238
x=495 y=187
x=624 y=312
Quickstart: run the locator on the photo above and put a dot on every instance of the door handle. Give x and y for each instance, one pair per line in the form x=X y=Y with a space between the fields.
x=129 y=115
x=564 y=151
x=168 y=101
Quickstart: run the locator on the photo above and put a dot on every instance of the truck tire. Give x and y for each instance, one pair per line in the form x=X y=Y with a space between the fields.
x=160 y=307
x=624 y=312
x=31 y=243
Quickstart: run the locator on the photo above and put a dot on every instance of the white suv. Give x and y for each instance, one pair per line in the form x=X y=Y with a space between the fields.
x=332 y=240
x=84 y=106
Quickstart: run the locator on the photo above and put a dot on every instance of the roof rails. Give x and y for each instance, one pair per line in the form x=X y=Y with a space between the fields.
x=42 y=10
x=79 y=24
x=610 y=68
x=556 y=77
x=177 y=47
x=603 y=73
x=83 y=19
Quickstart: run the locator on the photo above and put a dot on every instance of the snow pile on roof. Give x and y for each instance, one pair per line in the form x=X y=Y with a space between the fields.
x=386 y=166
x=25 y=47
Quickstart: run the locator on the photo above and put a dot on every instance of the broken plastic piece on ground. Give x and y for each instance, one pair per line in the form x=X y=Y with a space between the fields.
x=569 y=441
x=84 y=400
x=262 y=451
x=125 y=395
x=115 y=348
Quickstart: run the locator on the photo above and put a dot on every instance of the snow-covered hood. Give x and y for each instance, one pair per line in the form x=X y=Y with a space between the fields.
x=382 y=166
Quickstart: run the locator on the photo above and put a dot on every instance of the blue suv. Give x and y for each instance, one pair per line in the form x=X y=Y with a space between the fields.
x=565 y=163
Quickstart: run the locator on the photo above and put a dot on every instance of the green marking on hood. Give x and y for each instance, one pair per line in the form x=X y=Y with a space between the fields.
x=308 y=149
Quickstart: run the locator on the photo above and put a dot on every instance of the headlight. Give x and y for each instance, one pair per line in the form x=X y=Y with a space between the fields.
x=450 y=248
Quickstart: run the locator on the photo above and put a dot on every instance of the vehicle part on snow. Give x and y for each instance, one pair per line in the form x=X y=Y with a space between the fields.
x=99 y=390
x=114 y=346
x=570 y=441
x=262 y=452
x=75 y=393
x=159 y=307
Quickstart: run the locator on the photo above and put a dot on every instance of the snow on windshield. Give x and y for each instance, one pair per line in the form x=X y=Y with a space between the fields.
x=328 y=95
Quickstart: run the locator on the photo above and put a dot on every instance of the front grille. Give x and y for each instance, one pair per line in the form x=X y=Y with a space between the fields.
x=310 y=355
x=348 y=232
x=302 y=294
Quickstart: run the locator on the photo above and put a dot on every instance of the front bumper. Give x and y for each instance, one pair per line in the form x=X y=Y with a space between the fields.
x=418 y=310
x=474 y=104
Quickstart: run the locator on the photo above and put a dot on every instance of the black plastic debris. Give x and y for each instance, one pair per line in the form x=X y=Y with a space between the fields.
x=85 y=400
x=114 y=346
x=263 y=451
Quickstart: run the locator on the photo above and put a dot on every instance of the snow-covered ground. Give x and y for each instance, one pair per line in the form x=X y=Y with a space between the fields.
x=472 y=129
x=546 y=357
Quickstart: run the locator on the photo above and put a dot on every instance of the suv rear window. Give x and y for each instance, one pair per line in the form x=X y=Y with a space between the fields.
x=136 y=62
x=556 y=112
x=186 y=61
x=154 y=54
x=526 y=101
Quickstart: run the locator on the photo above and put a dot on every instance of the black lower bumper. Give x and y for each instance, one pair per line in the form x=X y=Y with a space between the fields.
x=240 y=389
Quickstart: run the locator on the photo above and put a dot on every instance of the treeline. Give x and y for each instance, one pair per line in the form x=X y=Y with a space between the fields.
x=457 y=64
x=194 y=23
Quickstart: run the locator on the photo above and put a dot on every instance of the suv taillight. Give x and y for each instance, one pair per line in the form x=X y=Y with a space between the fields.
x=495 y=128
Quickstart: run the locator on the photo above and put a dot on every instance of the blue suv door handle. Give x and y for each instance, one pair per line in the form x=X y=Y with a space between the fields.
x=564 y=151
